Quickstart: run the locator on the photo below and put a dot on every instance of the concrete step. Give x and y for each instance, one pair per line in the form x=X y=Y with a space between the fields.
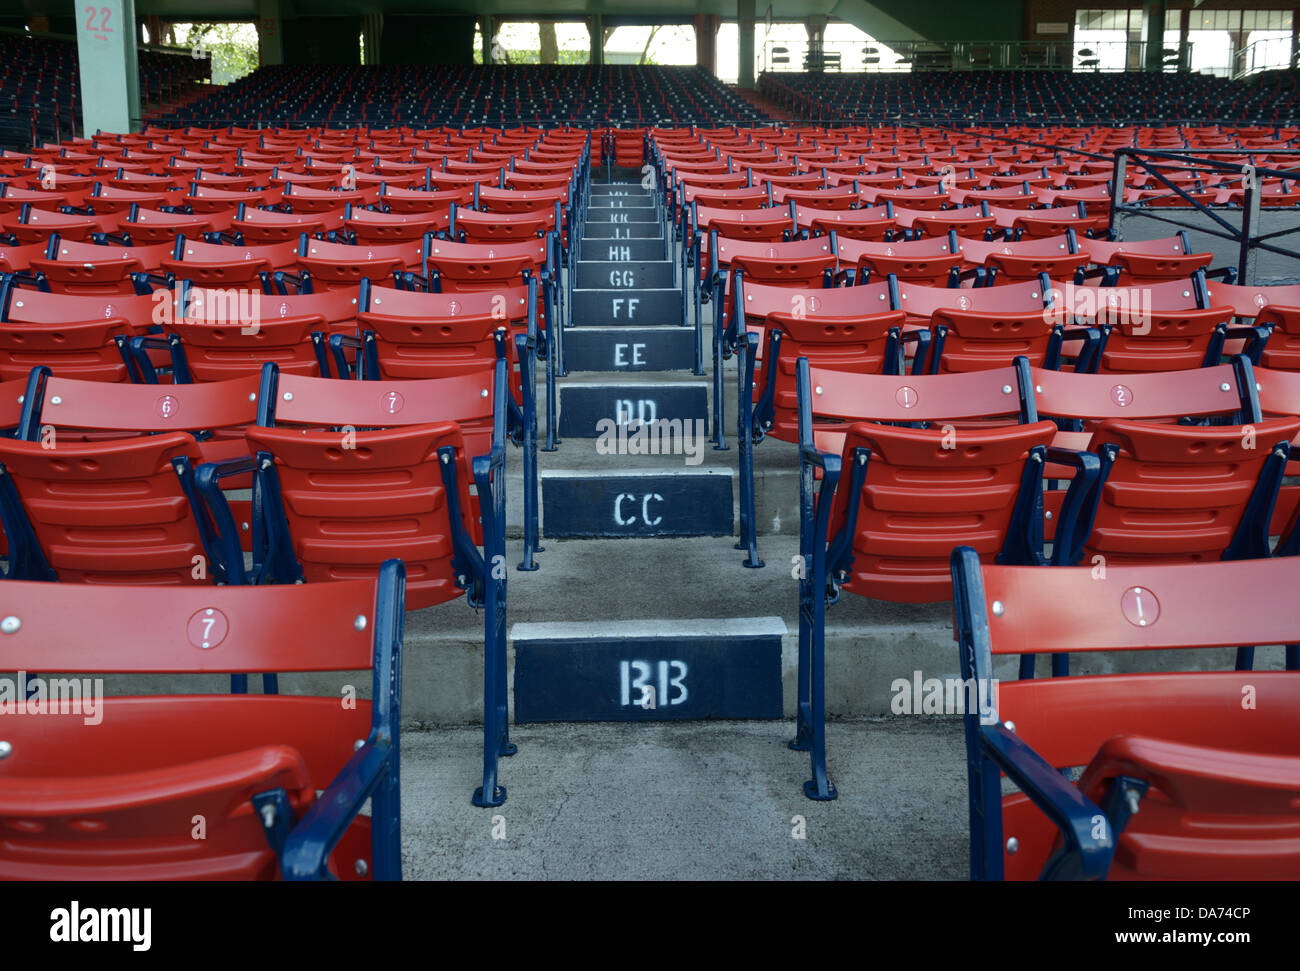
x=644 y=229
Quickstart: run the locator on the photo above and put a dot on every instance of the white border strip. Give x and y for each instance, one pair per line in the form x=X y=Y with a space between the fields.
x=610 y=629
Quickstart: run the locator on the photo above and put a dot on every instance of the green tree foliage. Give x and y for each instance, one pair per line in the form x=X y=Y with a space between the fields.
x=232 y=47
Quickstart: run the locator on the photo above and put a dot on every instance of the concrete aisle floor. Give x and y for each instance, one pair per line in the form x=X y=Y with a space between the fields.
x=692 y=800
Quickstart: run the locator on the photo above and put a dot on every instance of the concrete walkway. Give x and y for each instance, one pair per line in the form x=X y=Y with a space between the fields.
x=692 y=800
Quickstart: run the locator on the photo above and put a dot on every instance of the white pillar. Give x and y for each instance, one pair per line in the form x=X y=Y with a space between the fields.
x=110 y=77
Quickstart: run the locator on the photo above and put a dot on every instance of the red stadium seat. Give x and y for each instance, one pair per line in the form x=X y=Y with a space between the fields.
x=370 y=227
x=1180 y=778
x=116 y=793
x=1060 y=257
x=118 y=512
x=1279 y=395
x=71 y=266
x=147 y=227
x=259 y=227
x=765 y=225
x=1152 y=327
x=1173 y=493
x=78 y=335
x=931 y=261
x=351 y=473
x=470 y=226
x=985 y=327
x=214 y=265
x=38 y=225
x=336 y=266
x=1148 y=261
x=893 y=500
x=867 y=224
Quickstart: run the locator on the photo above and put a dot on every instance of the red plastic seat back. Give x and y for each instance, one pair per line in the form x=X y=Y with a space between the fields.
x=802 y=263
x=351 y=508
x=230 y=266
x=767 y=225
x=927 y=491
x=500 y=227
x=1166 y=340
x=865 y=224
x=977 y=340
x=110 y=511
x=89 y=269
x=1139 y=268
x=432 y=348
x=1282 y=353
x=221 y=352
x=89 y=351
x=334 y=311
x=857 y=344
x=1178 y=493
x=336 y=266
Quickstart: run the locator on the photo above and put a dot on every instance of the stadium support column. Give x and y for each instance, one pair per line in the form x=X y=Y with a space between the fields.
x=1184 y=52
x=110 y=77
x=745 y=23
x=1154 y=18
x=815 y=26
x=706 y=41
x=270 y=31
x=486 y=28
x=596 y=28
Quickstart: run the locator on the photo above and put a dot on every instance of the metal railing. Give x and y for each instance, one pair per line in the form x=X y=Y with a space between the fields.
x=1102 y=56
x=1248 y=238
x=1269 y=54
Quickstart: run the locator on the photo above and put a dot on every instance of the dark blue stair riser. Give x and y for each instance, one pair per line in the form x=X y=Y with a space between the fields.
x=640 y=230
x=607 y=308
x=606 y=275
x=623 y=250
x=635 y=217
x=629 y=349
x=582 y=407
x=637 y=506
x=630 y=190
x=648 y=679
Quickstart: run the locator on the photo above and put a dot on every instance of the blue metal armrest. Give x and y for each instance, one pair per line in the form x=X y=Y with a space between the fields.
x=217 y=528
x=373 y=771
x=144 y=283
x=143 y=371
x=1087 y=831
x=1080 y=506
x=1256 y=337
x=283 y=279
x=364 y=364
x=920 y=357
x=1088 y=358
x=307 y=847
